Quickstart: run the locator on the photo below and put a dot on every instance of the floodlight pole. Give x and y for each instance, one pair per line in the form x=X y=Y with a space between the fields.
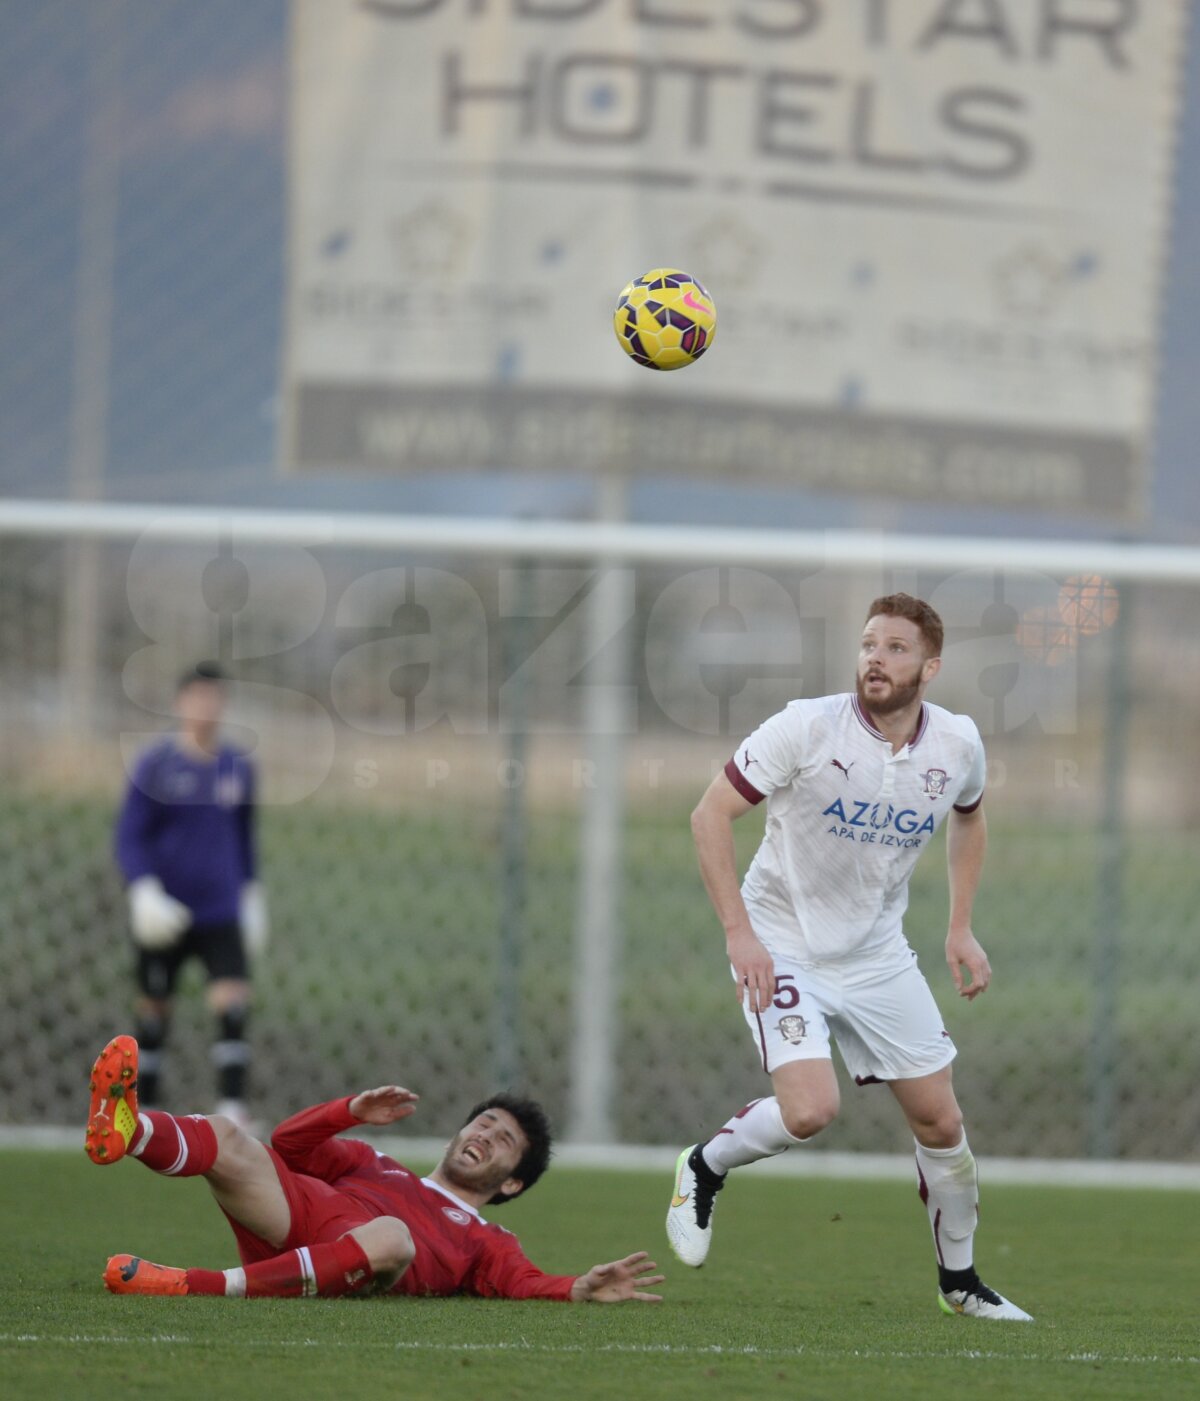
x=1110 y=891
x=514 y=841
x=595 y=1022
x=90 y=391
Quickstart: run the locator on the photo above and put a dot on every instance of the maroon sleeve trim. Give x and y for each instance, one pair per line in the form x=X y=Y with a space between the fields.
x=742 y=783
x=968 y=807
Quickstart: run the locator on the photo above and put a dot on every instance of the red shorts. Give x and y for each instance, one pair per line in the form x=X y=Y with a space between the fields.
x=318 y=1213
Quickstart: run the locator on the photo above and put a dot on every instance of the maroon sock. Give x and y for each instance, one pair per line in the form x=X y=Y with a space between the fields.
x=185 y=1147
x=336 y=1267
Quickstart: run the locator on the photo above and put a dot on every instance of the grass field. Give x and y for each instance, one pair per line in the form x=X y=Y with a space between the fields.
x=814 y=1289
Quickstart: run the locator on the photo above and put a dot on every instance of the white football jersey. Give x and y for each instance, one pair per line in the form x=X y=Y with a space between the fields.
x=846 y=821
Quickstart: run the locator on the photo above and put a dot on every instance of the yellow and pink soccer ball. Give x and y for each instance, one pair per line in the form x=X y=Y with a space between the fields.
x=665 y=319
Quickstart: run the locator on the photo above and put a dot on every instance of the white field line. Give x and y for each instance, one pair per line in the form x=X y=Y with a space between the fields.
x=586 y=1350
x=1032 y=1172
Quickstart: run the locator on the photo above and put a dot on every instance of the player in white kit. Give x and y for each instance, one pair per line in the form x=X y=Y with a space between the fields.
x=855 y=786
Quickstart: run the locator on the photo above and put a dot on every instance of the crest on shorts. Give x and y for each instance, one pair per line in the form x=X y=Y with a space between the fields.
x=935 y=781
x=793 y=1029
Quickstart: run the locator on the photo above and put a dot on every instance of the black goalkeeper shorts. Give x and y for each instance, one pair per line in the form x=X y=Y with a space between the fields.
x=218 y=946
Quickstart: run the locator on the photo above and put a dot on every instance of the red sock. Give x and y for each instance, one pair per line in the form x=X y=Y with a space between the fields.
x=206 y=1281
x=337 y=1267
x=184 y=1147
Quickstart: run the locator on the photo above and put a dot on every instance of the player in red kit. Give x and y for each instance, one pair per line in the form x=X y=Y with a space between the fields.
x=317 y=1215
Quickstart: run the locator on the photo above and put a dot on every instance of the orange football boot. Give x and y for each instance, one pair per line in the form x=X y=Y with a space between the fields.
x=129 y=1274
x=113 y=1113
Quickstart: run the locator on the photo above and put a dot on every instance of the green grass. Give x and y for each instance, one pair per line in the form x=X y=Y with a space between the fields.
x=814 y=1289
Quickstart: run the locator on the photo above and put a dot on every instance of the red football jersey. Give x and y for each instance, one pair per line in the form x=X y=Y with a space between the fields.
x=458 y=1252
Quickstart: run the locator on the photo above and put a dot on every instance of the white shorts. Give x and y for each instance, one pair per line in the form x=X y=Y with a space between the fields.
x=882 y=1016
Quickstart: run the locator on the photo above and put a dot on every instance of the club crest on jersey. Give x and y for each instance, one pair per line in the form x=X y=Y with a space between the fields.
x=793 y=1029
x=460 y=1218
x=228 y=790
x=935 y=781
x=181 y=784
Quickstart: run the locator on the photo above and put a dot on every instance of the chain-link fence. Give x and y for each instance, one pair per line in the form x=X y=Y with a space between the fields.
x=429 y=797
x=477 y=780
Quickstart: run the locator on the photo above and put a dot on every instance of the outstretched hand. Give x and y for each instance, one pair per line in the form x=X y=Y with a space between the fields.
x=618 y=1281
x=384 y=1105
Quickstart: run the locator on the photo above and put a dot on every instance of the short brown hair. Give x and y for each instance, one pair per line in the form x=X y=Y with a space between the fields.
x=916 y=610
x=202 y=674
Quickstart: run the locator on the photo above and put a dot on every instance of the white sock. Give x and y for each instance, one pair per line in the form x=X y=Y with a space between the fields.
x=235 y=1283
x=756 y=1132
x=950 y=1191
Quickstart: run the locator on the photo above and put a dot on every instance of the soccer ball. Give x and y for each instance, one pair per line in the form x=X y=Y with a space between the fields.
x=665 y=320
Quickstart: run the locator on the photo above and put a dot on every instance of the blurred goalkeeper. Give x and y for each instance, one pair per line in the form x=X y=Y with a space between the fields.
x=317 y=1215
x=185 y=845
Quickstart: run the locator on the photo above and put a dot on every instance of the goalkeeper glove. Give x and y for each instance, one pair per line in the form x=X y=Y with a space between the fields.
x=157 y=919
x=254 y=919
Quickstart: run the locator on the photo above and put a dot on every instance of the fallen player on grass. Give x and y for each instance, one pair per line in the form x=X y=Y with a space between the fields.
x=317 y=1215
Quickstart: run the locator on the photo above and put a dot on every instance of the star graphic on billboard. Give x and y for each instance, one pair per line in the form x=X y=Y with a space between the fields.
x=1028 y=282
x=431 y=241
x=728 y=250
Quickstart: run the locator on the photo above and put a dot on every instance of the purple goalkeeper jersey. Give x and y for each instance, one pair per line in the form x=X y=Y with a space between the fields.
x=189 y=820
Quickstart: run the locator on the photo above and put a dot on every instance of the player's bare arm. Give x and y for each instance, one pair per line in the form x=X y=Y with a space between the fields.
x=384 y=1105
x=966 y=845
x=618 y=1282
x=712 y=830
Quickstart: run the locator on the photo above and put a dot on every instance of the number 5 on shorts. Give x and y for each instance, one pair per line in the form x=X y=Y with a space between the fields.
x=786 y=997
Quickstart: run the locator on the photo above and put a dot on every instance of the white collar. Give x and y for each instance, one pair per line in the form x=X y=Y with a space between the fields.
x=869 y=725
x=446 y=1192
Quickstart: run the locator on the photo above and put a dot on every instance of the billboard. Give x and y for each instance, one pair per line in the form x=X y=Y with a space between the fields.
x=933 y=230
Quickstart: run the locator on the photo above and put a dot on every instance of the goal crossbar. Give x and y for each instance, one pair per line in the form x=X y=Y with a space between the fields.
x=615 y=542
